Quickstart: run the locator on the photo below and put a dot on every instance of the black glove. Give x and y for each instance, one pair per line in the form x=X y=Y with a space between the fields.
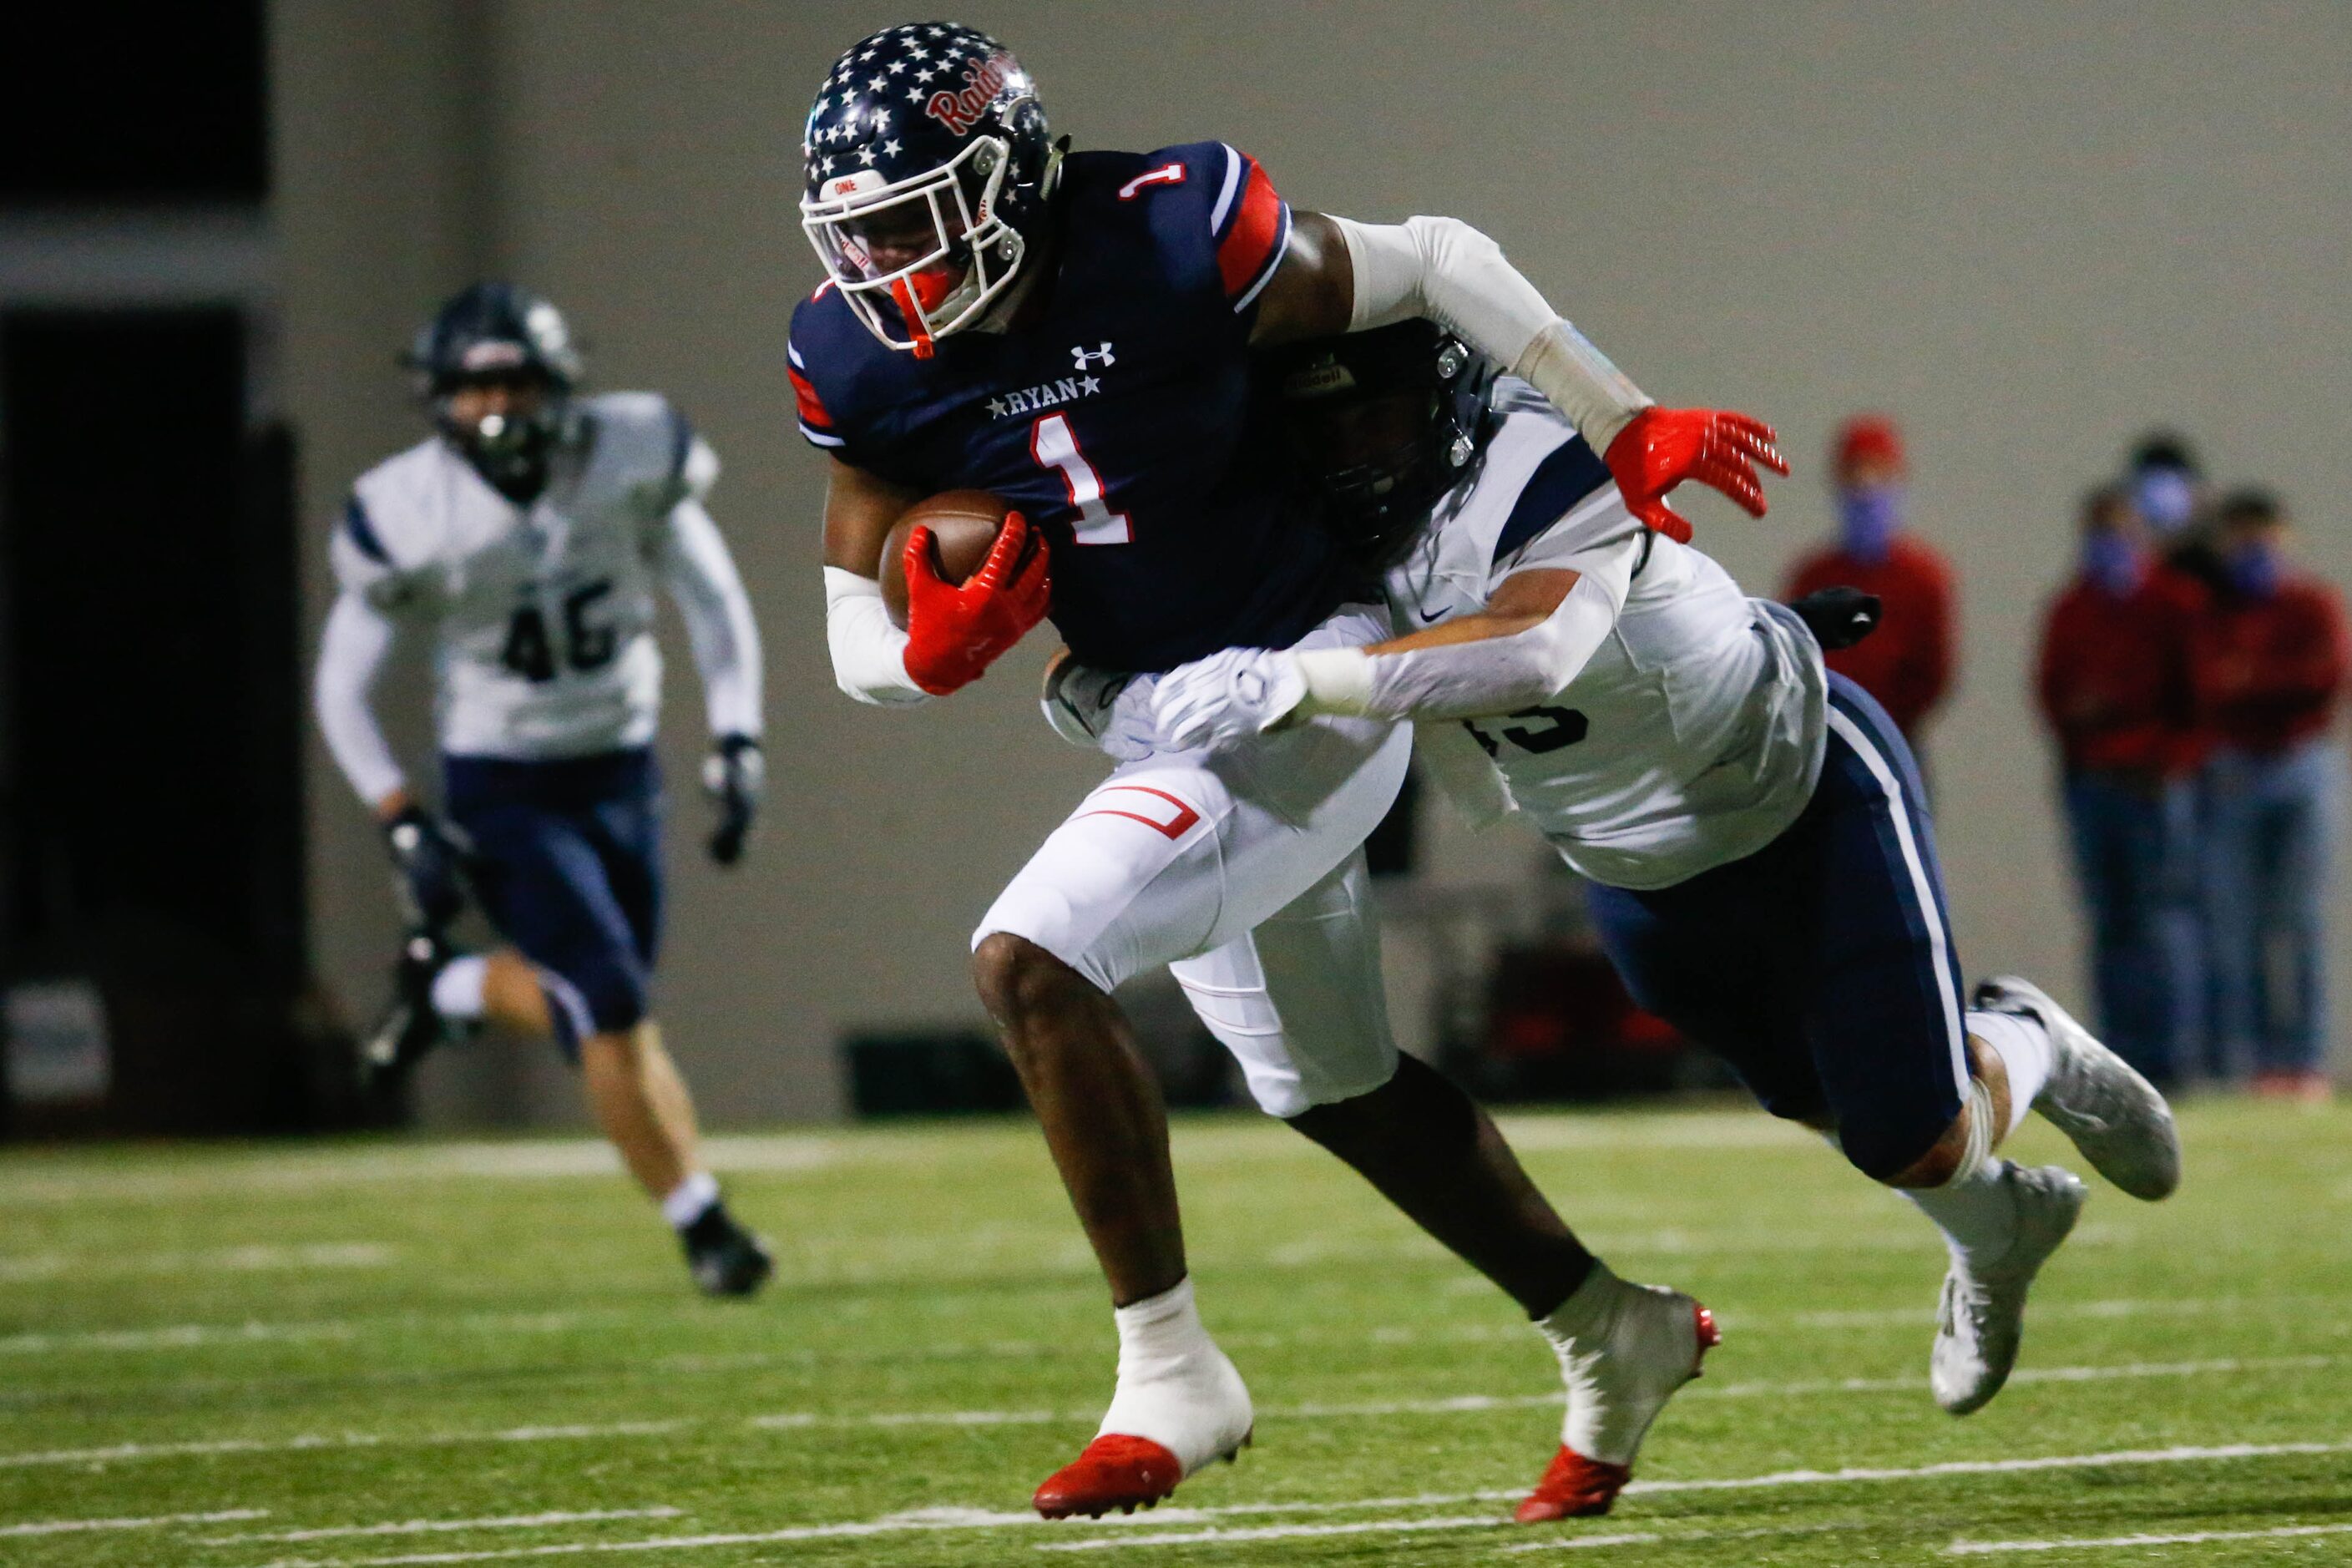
x=734 y=776
x=1838 y=618
x=430 y=854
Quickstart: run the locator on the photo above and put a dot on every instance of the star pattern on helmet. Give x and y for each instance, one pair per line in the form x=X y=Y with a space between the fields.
x=878 y=120
x=914 y=95
x=866 y=154
x=897 y=65
x=891 y=146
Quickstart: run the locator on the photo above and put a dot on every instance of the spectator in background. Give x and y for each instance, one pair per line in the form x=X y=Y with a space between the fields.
x=1906 y=663
x=2117 y=688
x=2166 y=488
x=2270 y=663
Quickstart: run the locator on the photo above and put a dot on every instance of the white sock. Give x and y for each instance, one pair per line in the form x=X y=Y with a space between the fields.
x=1585 y=1313
x=1159 y=1330
x=457 y=989
x=2024 y=1048
x=691 y=1200
x=1978 y=1214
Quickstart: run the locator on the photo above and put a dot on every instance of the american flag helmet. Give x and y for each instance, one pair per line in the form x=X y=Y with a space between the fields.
x=926 y=163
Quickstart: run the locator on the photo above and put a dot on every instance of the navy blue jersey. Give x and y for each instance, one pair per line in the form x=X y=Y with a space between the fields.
x=1121 y=417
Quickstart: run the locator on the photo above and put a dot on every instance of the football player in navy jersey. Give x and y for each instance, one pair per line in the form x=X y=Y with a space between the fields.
x=1073 y=332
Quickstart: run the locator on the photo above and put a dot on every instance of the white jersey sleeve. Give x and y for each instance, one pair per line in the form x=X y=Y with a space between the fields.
x=353 y=648
x=1691 y=734
x=709 y=596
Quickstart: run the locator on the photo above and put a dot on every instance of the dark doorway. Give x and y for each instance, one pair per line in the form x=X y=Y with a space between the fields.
x=151 y=823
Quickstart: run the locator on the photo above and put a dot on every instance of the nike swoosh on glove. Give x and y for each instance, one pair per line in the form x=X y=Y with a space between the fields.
x=1098 y=710
x=1664 y=447
x=1215 y=702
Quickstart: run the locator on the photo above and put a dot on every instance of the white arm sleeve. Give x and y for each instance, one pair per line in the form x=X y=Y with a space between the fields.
x=869 y=654
x=1442 y=269
x=358 y=638
x=710 y=595
x=1475 y=679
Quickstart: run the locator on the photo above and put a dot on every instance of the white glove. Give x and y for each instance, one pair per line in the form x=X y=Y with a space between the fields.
x=1099 y=709
x=1214 y=703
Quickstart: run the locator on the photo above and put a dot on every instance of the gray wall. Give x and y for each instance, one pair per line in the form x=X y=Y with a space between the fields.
x=2027 y=229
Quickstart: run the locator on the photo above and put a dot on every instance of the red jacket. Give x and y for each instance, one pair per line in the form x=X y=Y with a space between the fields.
x=1906 y=663
x=2118 y=683
x=2269 y=671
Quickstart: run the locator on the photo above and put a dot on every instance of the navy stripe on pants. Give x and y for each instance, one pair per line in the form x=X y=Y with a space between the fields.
x=1822 y=967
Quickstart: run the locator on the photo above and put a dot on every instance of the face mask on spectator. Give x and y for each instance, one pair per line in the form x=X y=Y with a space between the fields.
x=2255 y=569
x=2165 y=498
x=2115 y=563
x=1868 y=516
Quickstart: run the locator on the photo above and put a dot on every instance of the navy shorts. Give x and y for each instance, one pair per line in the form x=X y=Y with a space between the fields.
x=1822 y=967
x=568 y=867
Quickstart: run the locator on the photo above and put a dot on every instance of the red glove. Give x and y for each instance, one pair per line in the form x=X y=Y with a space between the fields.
x=1664 y=447
x=955 y=631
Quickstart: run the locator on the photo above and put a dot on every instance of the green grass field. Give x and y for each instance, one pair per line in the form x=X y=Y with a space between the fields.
x=415 y=1353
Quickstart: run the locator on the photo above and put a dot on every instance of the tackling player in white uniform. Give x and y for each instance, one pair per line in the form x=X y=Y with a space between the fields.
x=1764 y=870
x=527 y=538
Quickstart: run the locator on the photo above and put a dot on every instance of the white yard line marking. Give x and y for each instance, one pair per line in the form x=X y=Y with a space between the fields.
x=2179 y=1455
x=256 y=1258
x=800 y=1420
x=76 y=1526
x=1137 y=1530
x=440 y=1526
x=1224 y=1536
x=2181 y=1538
x=484 y=1160
x=1476 y=1404
x=129 y=1451
x=189 y=1336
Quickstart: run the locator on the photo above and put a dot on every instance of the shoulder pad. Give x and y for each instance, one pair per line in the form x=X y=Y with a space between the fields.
x=1211 y=200
x=644 y=447
x=393 y=514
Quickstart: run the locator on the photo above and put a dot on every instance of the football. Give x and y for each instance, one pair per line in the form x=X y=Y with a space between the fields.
x=963 y=525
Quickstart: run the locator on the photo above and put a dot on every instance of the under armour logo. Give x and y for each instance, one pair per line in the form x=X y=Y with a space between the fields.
x=1101 y=356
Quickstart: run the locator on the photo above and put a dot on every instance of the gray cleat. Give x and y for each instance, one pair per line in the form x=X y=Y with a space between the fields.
x=2115 y=1118
x=1982 y=1319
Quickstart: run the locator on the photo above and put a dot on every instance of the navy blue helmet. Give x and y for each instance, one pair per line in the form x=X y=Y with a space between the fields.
x=498 y=333
x=927 y=167
x=1383 y=423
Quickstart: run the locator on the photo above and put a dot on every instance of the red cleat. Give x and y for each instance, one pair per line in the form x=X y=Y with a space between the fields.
x=1115 y=1472
x=1574 y=1487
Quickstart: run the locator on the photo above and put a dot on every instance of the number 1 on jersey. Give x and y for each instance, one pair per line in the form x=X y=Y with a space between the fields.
x=1055 y=446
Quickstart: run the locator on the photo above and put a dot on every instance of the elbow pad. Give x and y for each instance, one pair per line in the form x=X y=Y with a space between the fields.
x=1442 y=269
x=869 y=654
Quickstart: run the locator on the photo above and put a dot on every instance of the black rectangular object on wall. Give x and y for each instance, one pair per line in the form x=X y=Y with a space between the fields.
x=115 y=103
x=150 y=828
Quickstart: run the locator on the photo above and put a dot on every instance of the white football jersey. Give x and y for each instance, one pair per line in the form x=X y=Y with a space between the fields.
x=1694 y=734
x=543 y=614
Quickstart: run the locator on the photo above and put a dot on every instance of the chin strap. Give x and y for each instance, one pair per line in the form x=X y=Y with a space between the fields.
x=912 y=314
